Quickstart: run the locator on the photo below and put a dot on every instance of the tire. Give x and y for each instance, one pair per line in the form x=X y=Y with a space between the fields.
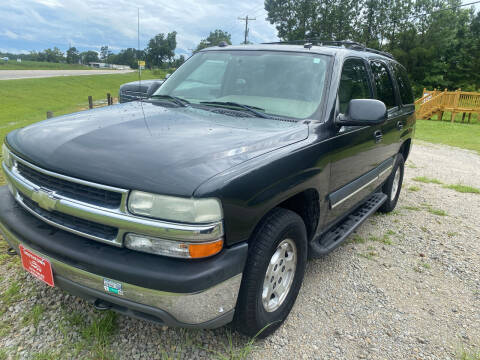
x=390 y=189
x=279 y=228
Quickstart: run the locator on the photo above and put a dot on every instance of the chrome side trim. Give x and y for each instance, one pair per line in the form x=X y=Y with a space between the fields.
x=354 y=193
x=385 y=171
x=374 y=179
x=124 y=222
x=189 y=308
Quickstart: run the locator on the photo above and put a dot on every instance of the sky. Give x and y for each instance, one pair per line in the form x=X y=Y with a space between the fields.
x=88 y=24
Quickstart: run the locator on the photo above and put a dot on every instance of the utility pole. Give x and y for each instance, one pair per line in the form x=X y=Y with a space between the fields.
x=246 y=19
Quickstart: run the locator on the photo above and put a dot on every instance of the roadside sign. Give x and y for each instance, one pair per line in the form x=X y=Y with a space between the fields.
x=141 y=63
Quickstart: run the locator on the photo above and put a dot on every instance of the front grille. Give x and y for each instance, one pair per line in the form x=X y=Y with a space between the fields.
x=72 y=190
x=90 y=228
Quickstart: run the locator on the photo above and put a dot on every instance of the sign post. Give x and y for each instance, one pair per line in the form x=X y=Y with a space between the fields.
x=141 y=65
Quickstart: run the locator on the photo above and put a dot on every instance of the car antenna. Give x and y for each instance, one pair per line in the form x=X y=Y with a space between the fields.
x=140 y=71
x=138 y=50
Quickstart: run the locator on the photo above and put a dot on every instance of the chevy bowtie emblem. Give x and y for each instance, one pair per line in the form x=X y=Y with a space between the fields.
x=45 y=199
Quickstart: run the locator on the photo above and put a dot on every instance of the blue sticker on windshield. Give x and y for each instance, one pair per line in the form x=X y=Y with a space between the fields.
x=316 y=60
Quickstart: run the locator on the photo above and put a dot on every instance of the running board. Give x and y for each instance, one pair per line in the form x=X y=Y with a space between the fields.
x=333 y=238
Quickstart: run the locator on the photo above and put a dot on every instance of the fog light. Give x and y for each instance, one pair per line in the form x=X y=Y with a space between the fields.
x=172 y=248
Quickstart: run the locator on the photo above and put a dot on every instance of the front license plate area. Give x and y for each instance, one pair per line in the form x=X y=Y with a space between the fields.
x=36 y=265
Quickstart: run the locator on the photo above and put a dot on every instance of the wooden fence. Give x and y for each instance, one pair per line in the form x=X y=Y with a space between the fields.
x=436 y=102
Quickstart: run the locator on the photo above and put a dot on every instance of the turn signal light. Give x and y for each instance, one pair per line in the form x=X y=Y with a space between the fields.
x=202 y=250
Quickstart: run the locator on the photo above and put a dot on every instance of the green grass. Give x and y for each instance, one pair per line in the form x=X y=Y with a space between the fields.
x=39 y=65
x=5 y=328
x=414 y=188
x=425 y=265
x=426 y=180
x=26 y=101
x=11 y=295
x=356 y=239
x=469 y=355
x=412 y=208
x=231 y=352
x=465 y=136
x=437 y=212
x=34 y=316
x=385 y=239
x=46 y=355
x=98 y=333
x=369 y=255
x=463 y=188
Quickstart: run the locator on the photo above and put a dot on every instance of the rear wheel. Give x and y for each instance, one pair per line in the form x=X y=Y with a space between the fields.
x=273 y=274
x=393 y=186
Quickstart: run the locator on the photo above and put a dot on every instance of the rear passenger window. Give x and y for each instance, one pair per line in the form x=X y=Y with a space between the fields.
x=353 y=83
x=403 y=84
x=384 y=84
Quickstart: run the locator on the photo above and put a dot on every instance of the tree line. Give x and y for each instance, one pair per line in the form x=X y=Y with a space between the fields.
x=160 y=52
x=438 y=41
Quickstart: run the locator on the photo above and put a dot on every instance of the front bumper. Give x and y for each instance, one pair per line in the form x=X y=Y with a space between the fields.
x=175 y=292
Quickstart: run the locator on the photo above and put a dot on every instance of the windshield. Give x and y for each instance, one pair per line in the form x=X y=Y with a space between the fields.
x=277 y=83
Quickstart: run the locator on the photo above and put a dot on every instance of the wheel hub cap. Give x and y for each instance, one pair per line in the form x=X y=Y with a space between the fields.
x=279 y=276
x=395 y=184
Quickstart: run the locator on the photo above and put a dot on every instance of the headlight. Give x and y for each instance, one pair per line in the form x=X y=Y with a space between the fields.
x=7 y=159
x=174 y=208
x=173 y=248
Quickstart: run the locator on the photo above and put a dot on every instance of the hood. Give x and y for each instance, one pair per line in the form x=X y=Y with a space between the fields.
x=148 y=147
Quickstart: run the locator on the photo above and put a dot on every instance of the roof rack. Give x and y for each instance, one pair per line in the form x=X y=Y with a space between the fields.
x=341 y=43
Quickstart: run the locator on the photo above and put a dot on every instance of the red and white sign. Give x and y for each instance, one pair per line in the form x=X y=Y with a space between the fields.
x=37 y=266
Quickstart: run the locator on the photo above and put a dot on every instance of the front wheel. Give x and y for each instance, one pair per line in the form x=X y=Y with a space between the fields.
x=273 y=274
x=393 y=185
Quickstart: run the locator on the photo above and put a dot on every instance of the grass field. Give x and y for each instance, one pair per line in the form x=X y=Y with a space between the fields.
x=26 y=101
x=39 y=65
x=466 y=136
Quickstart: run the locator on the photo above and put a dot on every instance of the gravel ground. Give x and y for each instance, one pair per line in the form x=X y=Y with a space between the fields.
x=406 y=286
x=33 y=74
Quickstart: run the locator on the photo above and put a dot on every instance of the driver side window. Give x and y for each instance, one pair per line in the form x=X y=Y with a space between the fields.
x=354 y=83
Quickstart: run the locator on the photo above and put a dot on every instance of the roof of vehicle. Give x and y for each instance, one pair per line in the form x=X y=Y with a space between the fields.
x=341 y=48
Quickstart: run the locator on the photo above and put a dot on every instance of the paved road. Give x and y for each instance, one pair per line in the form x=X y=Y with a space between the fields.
x=32 y=74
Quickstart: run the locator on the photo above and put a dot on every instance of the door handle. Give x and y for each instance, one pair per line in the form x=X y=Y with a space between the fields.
x=399 y=125
x=378 y=136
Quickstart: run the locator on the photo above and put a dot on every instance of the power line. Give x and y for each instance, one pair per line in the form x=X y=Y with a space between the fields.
x=246 y=19
x=257 y=9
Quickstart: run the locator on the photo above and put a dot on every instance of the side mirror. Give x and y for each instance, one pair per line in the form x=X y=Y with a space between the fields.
x=361 y=112
x=154 y=87
x=167 y=76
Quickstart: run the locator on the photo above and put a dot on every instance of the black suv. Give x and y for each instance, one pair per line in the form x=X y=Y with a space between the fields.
x=201 y=205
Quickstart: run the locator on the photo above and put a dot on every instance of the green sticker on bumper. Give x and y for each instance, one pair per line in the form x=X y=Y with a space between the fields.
x=111 y=286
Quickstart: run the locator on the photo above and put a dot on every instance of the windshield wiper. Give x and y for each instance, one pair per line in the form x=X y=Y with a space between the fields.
x=251 y=109
x=177 y=100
